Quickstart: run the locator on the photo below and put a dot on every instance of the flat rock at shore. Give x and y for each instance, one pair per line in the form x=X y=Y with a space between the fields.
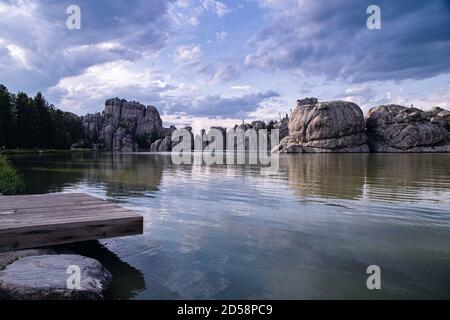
x=44 y=276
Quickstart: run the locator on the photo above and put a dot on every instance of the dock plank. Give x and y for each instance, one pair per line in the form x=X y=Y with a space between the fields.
x=41 y=220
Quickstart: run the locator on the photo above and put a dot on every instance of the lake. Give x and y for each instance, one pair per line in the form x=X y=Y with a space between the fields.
x=228 y=232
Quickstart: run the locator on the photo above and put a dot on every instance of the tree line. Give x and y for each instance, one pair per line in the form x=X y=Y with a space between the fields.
x=32 y=123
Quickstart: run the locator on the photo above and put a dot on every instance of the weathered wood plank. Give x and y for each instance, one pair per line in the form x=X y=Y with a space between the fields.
x=43 y=220
x=4 y=204
x=59 y=208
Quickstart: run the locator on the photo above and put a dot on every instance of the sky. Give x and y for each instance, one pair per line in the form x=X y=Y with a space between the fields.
x=209 y=62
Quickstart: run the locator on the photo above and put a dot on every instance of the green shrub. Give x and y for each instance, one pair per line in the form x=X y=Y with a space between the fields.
x=10 y=181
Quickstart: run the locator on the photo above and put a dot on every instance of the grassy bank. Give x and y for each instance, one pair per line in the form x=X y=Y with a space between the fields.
x=10 y=181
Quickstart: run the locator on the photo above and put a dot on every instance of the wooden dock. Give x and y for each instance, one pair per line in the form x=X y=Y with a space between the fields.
x=32 y=221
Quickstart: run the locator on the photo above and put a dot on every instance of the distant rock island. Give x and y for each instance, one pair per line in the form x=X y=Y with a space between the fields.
x=130 y=127
x=334 y=126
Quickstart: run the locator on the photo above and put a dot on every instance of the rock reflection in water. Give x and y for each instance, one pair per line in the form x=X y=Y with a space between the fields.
x=228 y=232
x=380 y=177
x=120 y=174
x=326 y=175
x=405 y=177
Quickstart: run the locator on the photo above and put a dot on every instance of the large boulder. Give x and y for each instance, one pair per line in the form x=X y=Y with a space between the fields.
x=44 y=277
x=335 y=126
x=395 y=128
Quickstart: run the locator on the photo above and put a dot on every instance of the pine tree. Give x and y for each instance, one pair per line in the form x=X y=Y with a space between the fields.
x=45 y=127
x=31 y=123
x=6 y=118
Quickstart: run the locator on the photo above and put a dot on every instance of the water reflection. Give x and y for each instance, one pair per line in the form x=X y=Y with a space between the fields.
x=405 y=177
x=120 y=174
x=380 y=177
x=228 y=232
x=327 y=175
x=386 y=177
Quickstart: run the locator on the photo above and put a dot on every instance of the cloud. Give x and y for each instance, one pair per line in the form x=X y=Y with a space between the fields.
x=35 y=38
x=217 y=7
x=244 y=87
x=198 y=123
x=363 y=95
x=179 y=54
x=19 y=56
x=182 y=12
x=271 y=109
x=221 y=36
x=88 y=91
x=223 y=72
x=194 y=21
x=331 y=39
x=187 y=54
x=439 y=97
x=237 y=107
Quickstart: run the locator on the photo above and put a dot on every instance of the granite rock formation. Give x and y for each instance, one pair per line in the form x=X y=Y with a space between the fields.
x=162 y=145
x=257 y=125
x=188 y=130
x=124 y=126
x=395 y=128
x=335 y=126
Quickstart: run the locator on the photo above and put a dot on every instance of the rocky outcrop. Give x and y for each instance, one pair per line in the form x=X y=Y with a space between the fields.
x=162 y=145
x=223 y=132
x=40 y=275
x=395 y=128
x=335 y=126
x=131 y=126
x=282 y=125
x=258 y=125
x=192 y=138
x=124 y=126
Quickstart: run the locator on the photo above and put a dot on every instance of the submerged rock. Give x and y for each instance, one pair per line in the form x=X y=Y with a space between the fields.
x=335 y=126
x=44 y=277
x=395 y=128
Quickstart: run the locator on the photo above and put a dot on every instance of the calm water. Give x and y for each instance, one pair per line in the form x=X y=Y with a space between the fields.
x=230 y=233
